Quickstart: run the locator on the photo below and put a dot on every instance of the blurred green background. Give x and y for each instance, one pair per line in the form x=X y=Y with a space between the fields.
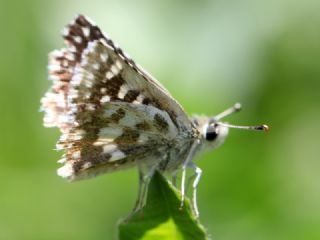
x=209 y=54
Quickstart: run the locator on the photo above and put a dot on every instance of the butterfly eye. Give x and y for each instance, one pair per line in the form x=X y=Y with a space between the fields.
x=211 y=133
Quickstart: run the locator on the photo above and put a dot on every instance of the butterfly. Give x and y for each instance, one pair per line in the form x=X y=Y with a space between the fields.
x=113 y=115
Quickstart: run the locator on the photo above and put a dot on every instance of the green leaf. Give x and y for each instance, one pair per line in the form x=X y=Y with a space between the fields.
x=162 y=218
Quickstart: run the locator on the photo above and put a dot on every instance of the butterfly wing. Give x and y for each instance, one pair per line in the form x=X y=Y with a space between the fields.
x=110 y=111
x=62 y=65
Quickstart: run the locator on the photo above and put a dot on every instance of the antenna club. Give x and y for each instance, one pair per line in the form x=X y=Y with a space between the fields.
x=266 y=128
x=237 y=106
x=263 y=127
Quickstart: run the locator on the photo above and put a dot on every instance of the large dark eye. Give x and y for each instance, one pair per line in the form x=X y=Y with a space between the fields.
x=211 y=133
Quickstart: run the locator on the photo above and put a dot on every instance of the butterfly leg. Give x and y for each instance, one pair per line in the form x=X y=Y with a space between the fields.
x=145 y=180
x=140 y=187
x=183 y=179
x=174 y=178
x=184 y=170
x=197 y=176
x=190 y=180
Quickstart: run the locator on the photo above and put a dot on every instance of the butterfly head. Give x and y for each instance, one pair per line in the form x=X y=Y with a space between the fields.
x=213 y=131
x=214 y=134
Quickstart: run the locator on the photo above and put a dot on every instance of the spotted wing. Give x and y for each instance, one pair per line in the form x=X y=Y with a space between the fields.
x=78 y=36
x=61 y=67
x=117 y=136
x=111 y=112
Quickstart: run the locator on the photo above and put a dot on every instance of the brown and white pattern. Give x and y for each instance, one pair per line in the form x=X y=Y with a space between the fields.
x=114 y=115
x=111 y=113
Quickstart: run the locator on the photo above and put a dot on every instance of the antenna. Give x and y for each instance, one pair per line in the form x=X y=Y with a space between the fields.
x=235 y=108
x=263 y=127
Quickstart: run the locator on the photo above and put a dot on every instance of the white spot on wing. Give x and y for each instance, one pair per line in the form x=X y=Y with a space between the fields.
x=109 y=75
x=115 y=69
x=86 y=31
x=87 y=95
x=80 y=132
x=77 y=39
x=105 y=99
x=96 y=66
x=70 y=57
x=74 y=137
x=109 y=148
x=54 y=77
x=90 y=107
x=76 y=154
x=86 y=165
x=118 y=64
x=54 y=67
x=116 y=156
x=102 y=141
x=66 y=171
x=123 y=91
x=104 y=57
x=72 y=48
x=90 y=77
x=110 y=132
x=62 y=160
x=65 y=31
x=139 y=99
